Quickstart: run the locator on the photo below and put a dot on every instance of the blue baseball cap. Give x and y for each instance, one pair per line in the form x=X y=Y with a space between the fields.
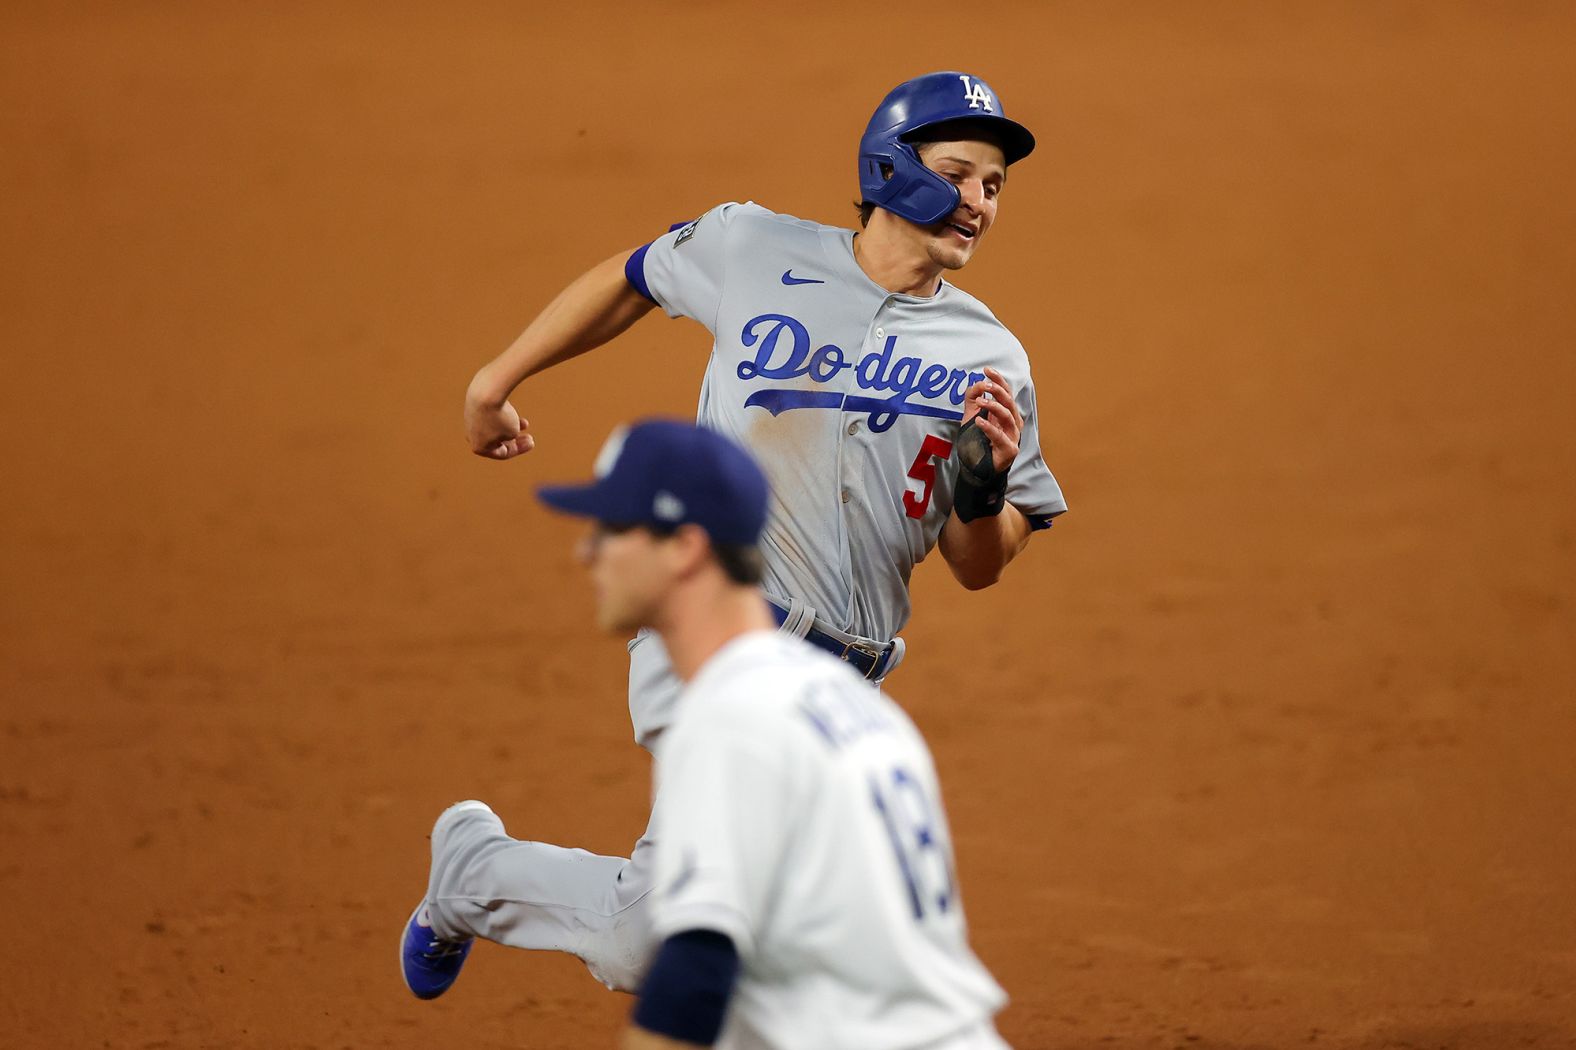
x=665 y=473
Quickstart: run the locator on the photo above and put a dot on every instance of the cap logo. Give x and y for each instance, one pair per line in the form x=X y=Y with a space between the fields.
x=611 y=448
x=975 y=94
x=667 y=507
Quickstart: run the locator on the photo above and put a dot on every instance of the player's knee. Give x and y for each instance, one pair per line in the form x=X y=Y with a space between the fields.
x=620 y=972
x=624 y=956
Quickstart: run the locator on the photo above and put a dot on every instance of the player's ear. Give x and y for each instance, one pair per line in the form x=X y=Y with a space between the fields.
x=691 y=548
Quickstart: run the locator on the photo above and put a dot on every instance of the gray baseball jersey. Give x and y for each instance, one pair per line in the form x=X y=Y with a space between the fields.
x=850 y=396
x=801 y=816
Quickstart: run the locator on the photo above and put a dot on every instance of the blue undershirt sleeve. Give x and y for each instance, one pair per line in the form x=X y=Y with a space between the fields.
x=686 y=991
x=635 y=265
x=635 y=272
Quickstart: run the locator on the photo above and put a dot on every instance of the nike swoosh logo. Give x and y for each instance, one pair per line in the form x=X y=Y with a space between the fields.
x=790 y=279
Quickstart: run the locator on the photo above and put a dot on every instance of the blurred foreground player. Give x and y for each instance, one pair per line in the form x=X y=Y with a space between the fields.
x=805 y=894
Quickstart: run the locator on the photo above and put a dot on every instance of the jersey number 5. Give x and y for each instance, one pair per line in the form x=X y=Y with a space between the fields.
x=923 y=854
x=924 y=471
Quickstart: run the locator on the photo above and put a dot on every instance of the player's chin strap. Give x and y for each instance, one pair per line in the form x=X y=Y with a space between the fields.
x=875 y=660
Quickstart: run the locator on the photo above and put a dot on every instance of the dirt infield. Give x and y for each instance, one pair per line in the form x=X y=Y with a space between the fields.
x=1272 y=741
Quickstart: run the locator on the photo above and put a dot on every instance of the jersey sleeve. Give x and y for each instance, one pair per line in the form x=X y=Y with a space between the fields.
x=1031 y=487
x=725 y=802
x=683 y=271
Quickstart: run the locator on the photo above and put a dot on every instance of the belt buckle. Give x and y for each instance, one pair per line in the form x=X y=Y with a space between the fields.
x=874 y=652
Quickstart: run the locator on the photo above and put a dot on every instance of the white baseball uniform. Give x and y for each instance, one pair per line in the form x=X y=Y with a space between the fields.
x=850 y=397
x=802 y=818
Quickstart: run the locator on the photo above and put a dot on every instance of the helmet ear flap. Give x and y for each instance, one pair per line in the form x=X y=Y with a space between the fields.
x=925 y=199
x=875 y=171
x=891 y=176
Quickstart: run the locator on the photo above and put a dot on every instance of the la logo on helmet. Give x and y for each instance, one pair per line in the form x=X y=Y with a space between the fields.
x=975 y=94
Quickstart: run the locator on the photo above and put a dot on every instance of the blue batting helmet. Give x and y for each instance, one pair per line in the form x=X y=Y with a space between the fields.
x=892 y=176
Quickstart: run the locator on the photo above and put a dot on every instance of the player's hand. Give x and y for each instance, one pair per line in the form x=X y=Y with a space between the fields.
x=999 y=419
x=493 y=428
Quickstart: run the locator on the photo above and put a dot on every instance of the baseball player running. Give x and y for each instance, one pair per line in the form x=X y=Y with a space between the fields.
x=890 y=410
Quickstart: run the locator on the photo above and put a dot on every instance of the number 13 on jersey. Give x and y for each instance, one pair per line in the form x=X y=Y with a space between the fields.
x=924 y=471
x=923 y=854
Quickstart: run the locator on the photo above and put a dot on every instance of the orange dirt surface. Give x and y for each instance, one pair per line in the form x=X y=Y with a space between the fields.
x=1267 y=744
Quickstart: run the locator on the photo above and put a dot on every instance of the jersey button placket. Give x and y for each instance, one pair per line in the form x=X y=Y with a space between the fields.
x=853 y=427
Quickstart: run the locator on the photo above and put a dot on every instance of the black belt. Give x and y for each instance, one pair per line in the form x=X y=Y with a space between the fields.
x=870 y=658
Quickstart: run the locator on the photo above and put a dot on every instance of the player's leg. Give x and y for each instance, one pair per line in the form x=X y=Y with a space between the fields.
x=484 y=883
x=525 y=894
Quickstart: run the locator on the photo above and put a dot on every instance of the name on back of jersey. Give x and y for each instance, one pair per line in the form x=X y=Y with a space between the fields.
x=841 y=717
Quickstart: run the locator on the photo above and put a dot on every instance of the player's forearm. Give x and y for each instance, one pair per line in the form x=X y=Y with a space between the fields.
x=595 y=308
x=978 y=551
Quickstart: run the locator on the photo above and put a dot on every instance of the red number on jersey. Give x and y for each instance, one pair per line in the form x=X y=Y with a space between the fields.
x=924 y=472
